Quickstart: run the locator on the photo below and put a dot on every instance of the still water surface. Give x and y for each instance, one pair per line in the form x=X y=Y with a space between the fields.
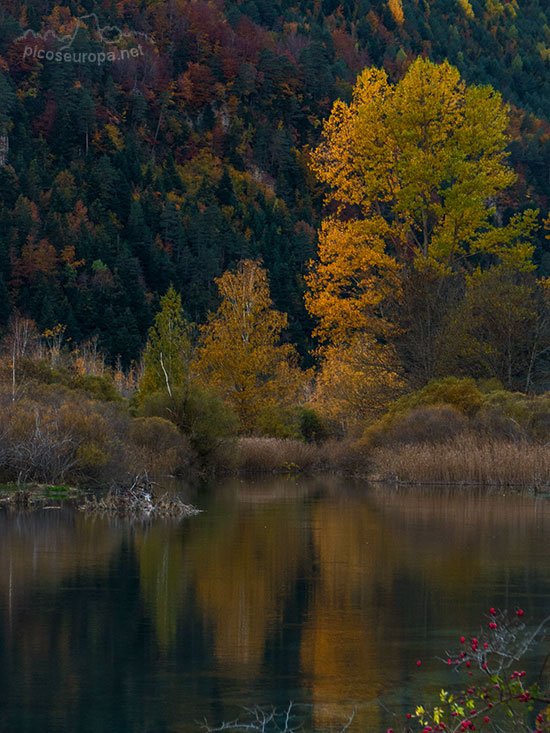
x=320 y=591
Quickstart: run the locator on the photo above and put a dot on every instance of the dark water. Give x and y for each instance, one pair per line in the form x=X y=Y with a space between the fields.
x=323 y=592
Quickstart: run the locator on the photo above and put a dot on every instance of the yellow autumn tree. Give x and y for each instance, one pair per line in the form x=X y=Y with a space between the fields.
x=414 y=172
x=396 y=9
x=240 y=352
x=356 y=381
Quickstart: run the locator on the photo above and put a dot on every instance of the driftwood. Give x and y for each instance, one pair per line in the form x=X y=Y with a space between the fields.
x=138 y=502
x=23 y=499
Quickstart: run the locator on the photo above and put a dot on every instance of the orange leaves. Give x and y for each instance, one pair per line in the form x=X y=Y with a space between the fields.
x=411 y=168
x=357 y=380
x=36 y=257
x=396 y=9
x=351 y=280
x=78 y=219
x=196 y=85
x=69 y=258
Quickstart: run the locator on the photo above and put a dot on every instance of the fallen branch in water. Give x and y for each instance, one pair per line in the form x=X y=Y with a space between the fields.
x=139 y=502
x=269 y=720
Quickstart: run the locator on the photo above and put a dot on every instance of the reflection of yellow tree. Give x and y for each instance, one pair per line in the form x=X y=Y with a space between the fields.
x=451 y=539
x=242 y=576
x=162 y=578
x=341 y=655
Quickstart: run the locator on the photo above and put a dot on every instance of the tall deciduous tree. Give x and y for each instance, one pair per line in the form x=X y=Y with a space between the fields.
x=241 y=355
x=167 y=354
x=415 y=170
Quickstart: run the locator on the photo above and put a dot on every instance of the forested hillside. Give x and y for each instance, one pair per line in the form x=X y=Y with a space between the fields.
x=172 y=165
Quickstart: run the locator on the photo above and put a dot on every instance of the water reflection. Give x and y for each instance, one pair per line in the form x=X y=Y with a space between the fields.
x=320 y=591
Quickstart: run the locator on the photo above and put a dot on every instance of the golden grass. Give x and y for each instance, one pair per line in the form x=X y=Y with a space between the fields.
x=275 y=455
x=467 y=459
x=270 y=455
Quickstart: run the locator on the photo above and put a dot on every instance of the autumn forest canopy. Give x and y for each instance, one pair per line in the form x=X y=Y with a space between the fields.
x=290 y=213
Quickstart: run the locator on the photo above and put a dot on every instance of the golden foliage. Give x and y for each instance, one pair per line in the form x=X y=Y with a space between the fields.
x=420 y=160
x=467 y=8
x=414 y=171
x=396 y=9
x=239 y=354
x=352 y=278
x=356 y=381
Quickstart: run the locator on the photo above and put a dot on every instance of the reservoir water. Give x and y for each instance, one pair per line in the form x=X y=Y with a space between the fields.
x=324 y=592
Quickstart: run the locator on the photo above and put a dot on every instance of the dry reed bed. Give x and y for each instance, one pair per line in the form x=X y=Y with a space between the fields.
x=467 y=459
x=272 y=455
x=276 y=455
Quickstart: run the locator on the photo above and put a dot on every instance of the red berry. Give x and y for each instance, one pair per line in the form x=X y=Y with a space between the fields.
x=492 y=611
x=486 y=718
x=418 y=663
x=462 y=639
x=519 y=612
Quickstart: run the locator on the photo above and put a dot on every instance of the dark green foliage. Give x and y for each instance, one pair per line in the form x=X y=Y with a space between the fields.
x=312 y=427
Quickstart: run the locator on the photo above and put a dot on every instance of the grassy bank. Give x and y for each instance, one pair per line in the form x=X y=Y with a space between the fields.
x=62 y=430
x=467 y=459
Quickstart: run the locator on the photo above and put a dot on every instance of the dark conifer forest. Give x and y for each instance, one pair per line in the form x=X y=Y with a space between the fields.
x=122 y=177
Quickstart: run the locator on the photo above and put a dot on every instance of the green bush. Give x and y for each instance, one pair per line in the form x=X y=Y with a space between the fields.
x=99 y=388
x=198 y=412
x=278 y=422
x=161 y=446
x=312 y=427
x=516 y=414
x=461 y=394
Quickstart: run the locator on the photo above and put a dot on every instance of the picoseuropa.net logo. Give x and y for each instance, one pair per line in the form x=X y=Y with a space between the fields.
x=110 y=43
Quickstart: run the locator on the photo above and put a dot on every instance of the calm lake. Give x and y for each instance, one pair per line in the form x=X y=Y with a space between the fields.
x=321 y=591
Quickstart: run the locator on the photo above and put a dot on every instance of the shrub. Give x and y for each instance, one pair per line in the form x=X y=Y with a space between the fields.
x=278 y=422
x=198 y=412
x=431 y=424
x=312 y=427
x=458 y=393
x=291 y=422
x=161 y=446
x=99 y=388
x=60 y=435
